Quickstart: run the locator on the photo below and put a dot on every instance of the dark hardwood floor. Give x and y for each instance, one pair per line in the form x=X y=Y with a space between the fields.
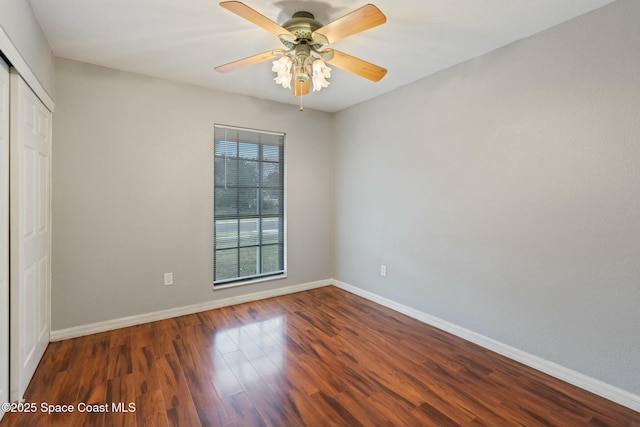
x=322 y=357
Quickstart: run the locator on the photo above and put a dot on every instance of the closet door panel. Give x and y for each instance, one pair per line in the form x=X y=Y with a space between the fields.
x=4 y=234
x=30 y=153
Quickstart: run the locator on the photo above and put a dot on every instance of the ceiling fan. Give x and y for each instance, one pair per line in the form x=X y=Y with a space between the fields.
x=305 y=57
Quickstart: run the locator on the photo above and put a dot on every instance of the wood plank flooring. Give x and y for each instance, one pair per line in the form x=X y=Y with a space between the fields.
x=323 y=357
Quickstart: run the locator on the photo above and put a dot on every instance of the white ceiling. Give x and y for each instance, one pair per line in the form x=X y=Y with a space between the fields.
x=183 y=40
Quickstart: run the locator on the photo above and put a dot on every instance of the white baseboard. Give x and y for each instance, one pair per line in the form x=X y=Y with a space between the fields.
x=585 y=382
x=92 y=328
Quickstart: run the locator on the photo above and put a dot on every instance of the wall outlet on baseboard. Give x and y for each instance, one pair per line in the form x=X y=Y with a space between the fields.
x=168 y=279
x=383 y=270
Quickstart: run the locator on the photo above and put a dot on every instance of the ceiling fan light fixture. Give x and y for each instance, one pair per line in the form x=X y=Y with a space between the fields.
x=320 y=74
x=303 y=63
x=304 y=68
x=282 y=68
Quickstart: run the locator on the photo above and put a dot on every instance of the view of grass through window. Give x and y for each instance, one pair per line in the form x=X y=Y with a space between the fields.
x=248 y=204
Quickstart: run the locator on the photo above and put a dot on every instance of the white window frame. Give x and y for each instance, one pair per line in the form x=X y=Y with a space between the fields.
x=227 y=136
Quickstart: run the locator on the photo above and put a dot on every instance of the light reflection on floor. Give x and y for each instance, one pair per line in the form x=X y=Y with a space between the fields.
x=247 y=353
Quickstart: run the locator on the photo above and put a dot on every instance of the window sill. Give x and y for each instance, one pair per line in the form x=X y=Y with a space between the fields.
x=249 y=282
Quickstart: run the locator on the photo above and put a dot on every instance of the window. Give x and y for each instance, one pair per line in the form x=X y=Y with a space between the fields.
x=249 y=223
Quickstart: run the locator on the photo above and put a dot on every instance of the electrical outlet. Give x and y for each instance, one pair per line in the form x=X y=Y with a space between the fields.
x=168 y=279
x=383 y=270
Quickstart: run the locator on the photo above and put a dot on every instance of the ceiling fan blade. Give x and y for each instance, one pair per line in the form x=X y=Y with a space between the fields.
x=245 y=62
x=368 y=16
x=301 y=88
x=357 y=66
x=257 y=18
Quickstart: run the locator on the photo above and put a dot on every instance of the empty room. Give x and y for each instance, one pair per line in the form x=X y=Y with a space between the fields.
x=320 y=213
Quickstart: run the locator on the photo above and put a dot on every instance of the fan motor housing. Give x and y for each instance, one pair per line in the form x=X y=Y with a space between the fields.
x=302 y=24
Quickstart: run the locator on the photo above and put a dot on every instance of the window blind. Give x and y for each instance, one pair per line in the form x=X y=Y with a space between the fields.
x=248 y=194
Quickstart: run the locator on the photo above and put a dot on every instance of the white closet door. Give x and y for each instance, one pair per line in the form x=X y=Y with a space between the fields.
x=4 y=234
x=30 y=232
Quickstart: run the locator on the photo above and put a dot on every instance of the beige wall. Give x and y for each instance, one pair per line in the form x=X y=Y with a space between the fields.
x=132 y=192
x=503 y=194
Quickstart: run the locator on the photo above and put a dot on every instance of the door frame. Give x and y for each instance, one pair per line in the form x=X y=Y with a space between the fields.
x=4 y=234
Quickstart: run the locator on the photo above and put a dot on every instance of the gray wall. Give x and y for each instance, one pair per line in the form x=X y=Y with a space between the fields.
x=19 y=23
x=503 y=194
x=132 y=192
